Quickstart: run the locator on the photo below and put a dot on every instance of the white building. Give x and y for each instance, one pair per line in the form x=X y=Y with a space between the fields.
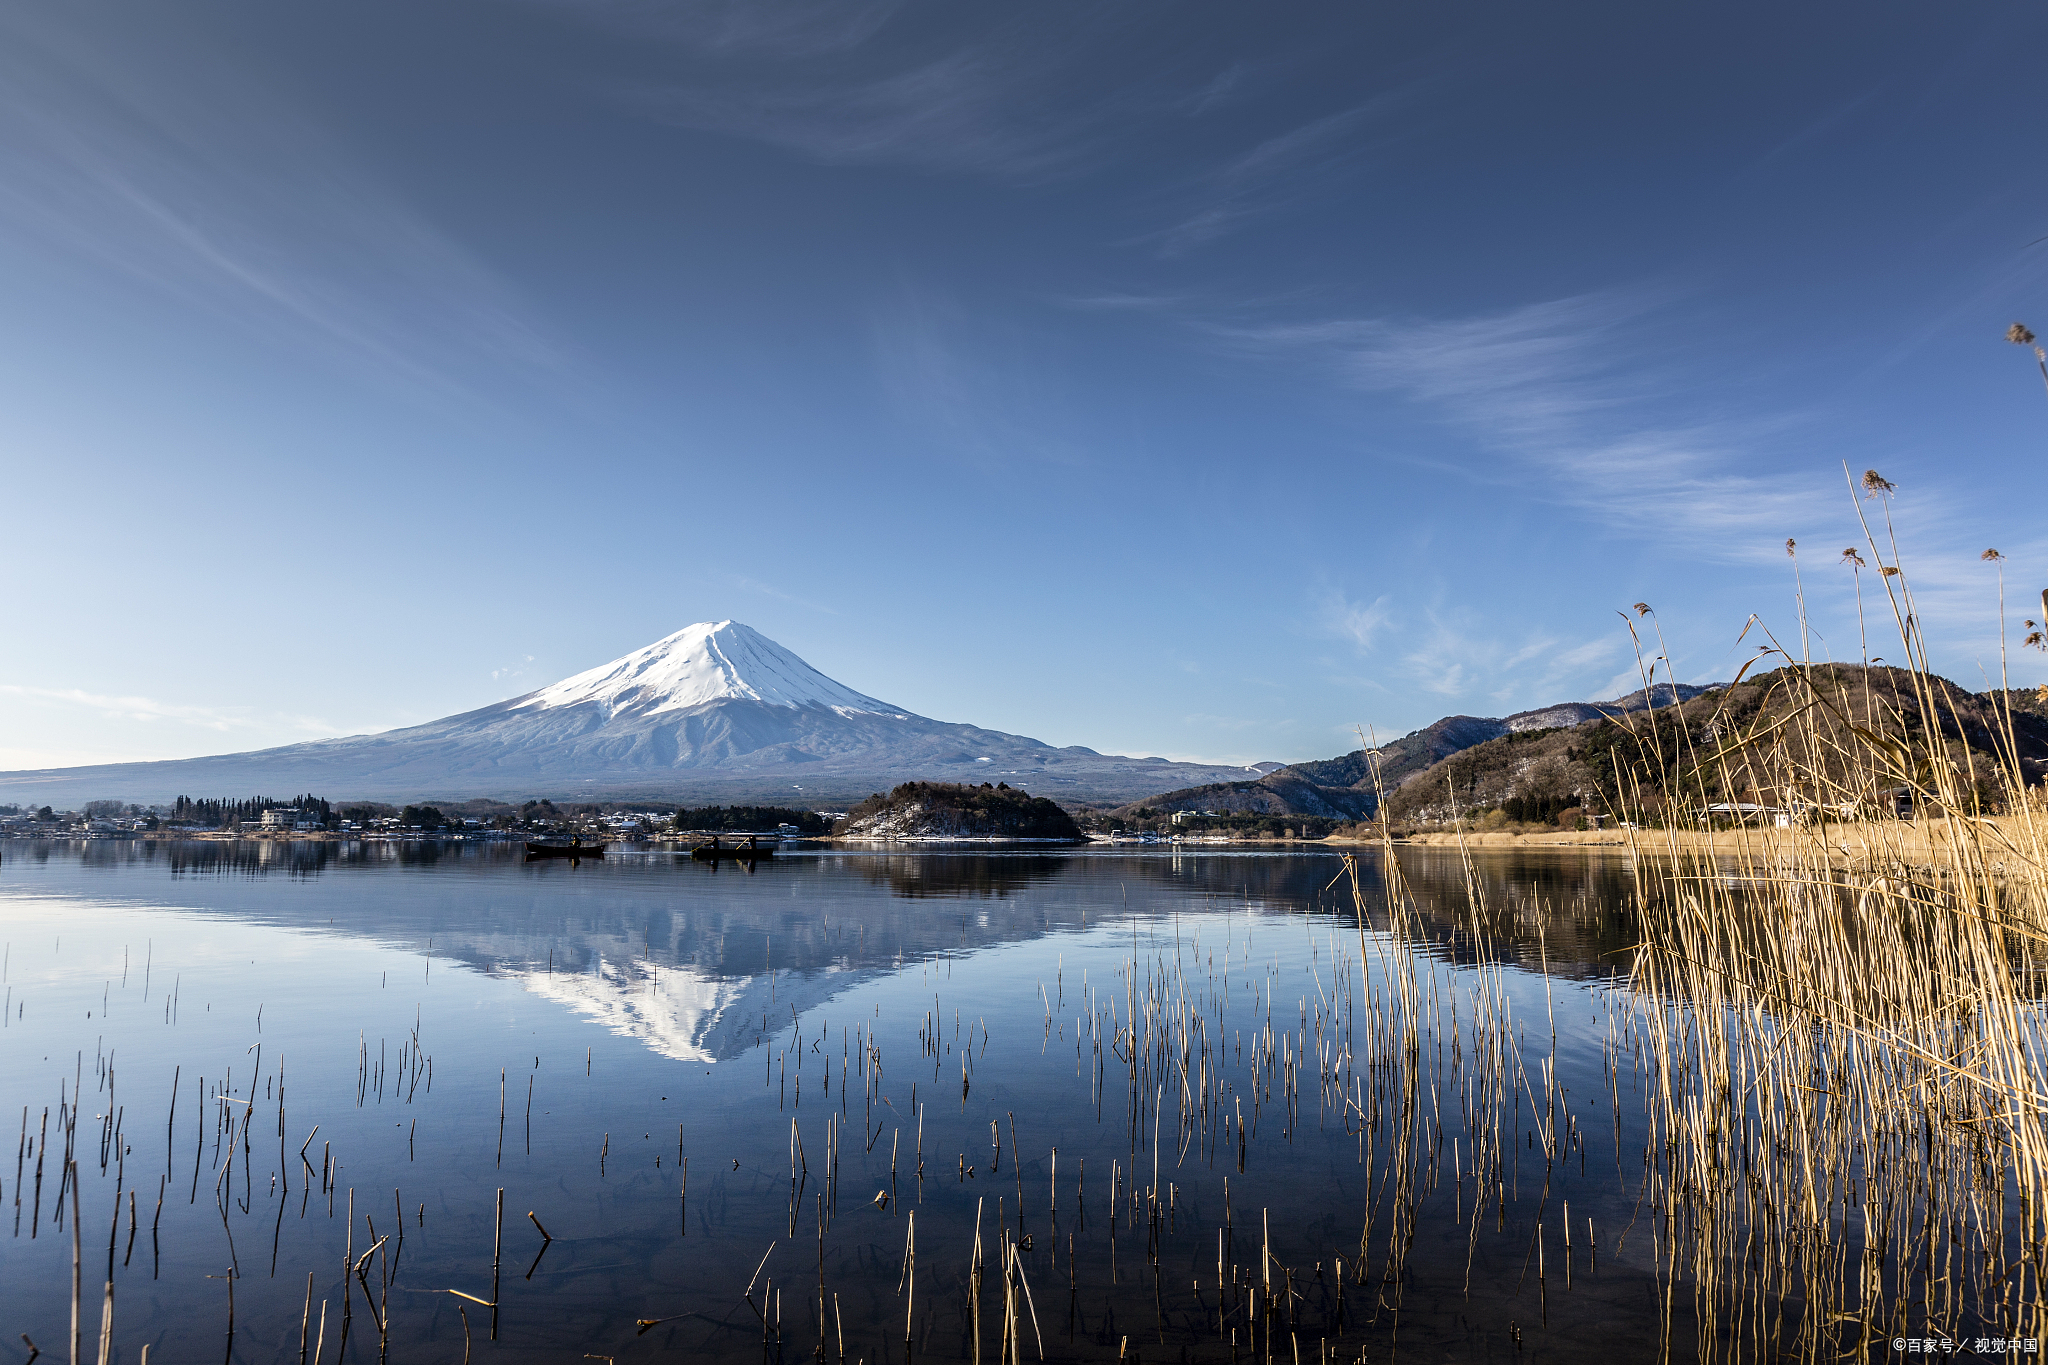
x=288 y=817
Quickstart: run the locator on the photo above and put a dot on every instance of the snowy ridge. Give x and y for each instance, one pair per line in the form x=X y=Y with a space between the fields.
x=709 y=662
x=674 y=1012
x=680 y=1010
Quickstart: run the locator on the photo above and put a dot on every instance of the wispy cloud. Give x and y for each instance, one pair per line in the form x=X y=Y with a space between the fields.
x=1280 y=171
x=739 y=28
x=1220 y=90
x=1455 y=655
x=221 y=720
x=1582 y=392
x=1359 y=622
x=1590 y=404
x=1230 y=724
x=951 y=113
x=200 y=179
x=509 y=672
x=1012 y=98
x=1531 y=375
x=1011 y=101
x=755 y=585
x=1461 y=653
x=989 y=399
x=1162 y=305
x=1588 y=399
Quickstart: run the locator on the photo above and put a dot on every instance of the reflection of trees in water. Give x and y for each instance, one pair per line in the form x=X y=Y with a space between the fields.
x=860 y=911
x=250 y=857
x=957 y=874
x=1569 y=910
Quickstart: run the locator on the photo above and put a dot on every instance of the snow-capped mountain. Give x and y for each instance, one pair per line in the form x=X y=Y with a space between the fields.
x=698 y=666
x=715 y=712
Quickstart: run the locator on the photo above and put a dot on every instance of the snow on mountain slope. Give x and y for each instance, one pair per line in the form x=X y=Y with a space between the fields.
x=676 y=1010
x=711 y=661
x=714 y=712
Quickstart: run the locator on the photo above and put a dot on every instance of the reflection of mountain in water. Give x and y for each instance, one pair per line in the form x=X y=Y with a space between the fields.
x=676 y=1013
x=698 y=961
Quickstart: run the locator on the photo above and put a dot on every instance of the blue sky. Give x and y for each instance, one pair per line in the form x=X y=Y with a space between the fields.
x=1198 y=380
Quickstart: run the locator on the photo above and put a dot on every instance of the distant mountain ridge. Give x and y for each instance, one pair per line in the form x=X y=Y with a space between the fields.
x=1344 y=787
x=715 y=713
x=1561 y=776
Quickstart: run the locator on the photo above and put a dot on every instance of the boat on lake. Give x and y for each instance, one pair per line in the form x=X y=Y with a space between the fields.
x=748 y=849
x=565 y=850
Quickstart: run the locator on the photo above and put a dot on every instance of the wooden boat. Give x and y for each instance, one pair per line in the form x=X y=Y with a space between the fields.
x=565 y=850
x=747 y=850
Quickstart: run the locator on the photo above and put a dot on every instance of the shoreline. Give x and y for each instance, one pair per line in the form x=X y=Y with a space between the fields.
x=2002 y=836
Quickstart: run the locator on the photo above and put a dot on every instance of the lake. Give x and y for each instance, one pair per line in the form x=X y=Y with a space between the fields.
x=878 y=1106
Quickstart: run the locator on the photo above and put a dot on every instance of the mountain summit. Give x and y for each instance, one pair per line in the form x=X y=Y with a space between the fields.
x=716 y=712
x=701 y=665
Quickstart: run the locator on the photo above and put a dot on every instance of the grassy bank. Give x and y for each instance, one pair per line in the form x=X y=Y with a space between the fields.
x=2003 y=839
x=1837 y=1027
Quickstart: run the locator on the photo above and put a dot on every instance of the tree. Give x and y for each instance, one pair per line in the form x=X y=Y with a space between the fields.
x=423 y=817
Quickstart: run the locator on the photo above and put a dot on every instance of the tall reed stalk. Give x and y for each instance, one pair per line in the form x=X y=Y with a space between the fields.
x=1838 y=1024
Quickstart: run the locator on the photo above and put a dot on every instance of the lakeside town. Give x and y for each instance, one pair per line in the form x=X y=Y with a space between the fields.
x=314 y=819
x=321 y=820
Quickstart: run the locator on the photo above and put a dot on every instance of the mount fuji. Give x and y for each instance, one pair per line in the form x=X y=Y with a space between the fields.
x=715 y=712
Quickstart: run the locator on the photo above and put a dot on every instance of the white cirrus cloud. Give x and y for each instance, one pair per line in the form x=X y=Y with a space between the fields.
x=1589 y=399
x=149 y=709
x=1011 y=101
x=208 y=182
x=1359 y=622
x=1285 y=170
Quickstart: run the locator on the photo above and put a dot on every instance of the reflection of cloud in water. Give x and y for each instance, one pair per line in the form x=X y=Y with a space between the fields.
x=683 y=1012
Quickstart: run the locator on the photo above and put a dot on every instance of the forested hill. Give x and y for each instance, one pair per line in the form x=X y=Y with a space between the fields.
x=954 y=810
x=1567 y=773
x=1277 y=793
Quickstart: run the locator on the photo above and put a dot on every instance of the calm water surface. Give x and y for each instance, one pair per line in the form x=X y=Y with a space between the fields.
x=641 y=1051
